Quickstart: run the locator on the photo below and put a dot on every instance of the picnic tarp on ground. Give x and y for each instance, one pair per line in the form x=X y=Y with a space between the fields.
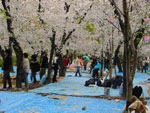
x=75 y=85
x=72 y=85
x=20 y=102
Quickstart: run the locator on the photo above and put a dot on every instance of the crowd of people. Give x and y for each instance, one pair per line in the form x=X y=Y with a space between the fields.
x=95 y=66
x=32 y=65
x=86 y=63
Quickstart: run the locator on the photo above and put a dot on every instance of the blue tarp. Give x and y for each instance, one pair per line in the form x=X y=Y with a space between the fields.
x=15 y=102
x=72 y=85
x=75 y=85
x=20 y=102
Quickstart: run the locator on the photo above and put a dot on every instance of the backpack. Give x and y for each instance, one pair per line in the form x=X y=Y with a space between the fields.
x=97 y=66
x=107 y=83
x=90 y=81
x=137 y=91
x=99 y=83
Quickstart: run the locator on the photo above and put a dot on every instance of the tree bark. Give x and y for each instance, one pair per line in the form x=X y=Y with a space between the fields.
x=65 y=38
x=62 y=71
x=19 y=56
x=52 y=39
x=10 y=49
x=130 y=49
x=2 y=52
x=117 y=59
x=16 y=46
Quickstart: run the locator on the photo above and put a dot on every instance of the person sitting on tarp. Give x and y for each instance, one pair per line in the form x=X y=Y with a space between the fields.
x=137 y=105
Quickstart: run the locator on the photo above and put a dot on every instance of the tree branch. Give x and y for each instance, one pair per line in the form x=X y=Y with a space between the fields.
x=68 y=36
x=66 y=7
x=39 y=11
x=113 y=24
x=118 y=14
x=139 y=35
x=82 y=18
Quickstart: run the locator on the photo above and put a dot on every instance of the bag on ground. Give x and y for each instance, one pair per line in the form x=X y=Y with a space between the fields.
x=107 y=83
x=99 y=83
x=90 y=81
x=43 y=80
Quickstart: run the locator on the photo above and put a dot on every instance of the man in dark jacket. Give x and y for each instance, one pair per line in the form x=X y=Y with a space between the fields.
x=44 y=64
x=6 y=69
x=35 y=67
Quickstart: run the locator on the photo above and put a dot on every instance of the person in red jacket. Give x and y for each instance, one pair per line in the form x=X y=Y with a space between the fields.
x=65 y=62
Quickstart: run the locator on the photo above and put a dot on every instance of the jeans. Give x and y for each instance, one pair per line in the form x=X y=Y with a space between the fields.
x=6 y=78
x=78 y=71
x=144 y=69
x=33 y=76
x=84 y=67
x=55 y=74
x=95 y=73
x=42 y=72
x=26 y=79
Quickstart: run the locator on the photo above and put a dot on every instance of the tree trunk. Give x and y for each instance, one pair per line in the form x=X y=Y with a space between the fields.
x=124 y=72
x=16 y=46
x=62 y=71
x=117 y=59
x=65 y=38
x=2 y=52
x=110 y=66
x=119 y=64
x=127 y=39
x=130 y=49
x=10 y=48
x=52 y=39
x=20 y=74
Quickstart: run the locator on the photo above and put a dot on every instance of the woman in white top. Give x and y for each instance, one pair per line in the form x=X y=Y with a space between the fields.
x=26 y=68
x=78 y=65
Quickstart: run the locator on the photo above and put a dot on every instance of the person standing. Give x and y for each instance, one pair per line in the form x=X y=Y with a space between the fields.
x=26 y=68
x=35 y=67
x=44 y=64
x=96 y=68
x=55 y=67
x=78 y=66
x=85 y=63
x=65 y=62
x=6 y=68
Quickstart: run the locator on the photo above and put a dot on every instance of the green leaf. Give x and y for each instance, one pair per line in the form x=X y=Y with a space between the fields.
x=90 y=28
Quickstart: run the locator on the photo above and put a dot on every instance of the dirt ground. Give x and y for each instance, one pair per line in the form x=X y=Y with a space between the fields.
x=31 y=85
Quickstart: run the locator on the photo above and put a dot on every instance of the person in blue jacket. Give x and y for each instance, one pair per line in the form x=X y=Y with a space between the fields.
x=97 y=66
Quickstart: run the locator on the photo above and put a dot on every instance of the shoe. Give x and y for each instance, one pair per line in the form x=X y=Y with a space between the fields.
x=9 y=87
x=75 y=75
x=80 y=75
x=54 y=81
x=4 y=89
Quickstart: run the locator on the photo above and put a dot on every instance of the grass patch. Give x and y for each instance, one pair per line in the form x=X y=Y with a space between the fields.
x=1 y=62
